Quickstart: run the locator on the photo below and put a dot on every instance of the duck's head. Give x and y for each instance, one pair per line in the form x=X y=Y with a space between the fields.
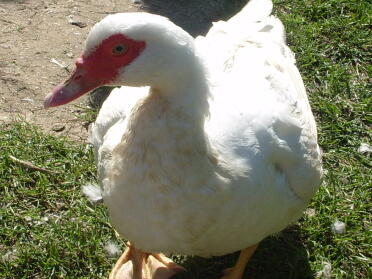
x=134 y=49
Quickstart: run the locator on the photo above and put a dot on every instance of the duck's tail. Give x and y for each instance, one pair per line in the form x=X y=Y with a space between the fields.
x=254 y=11
x=256 y=17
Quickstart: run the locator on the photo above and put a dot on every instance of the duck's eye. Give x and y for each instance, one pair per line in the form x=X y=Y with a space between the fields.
x=119 y=49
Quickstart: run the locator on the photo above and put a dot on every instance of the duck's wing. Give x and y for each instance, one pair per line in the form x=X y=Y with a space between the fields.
x=260 y=117
x=110 y=125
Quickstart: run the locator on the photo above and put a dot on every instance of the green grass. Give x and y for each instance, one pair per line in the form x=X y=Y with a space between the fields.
x=48 y=230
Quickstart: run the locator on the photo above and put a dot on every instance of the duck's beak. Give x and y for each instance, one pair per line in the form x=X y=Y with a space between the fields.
x=80 y=82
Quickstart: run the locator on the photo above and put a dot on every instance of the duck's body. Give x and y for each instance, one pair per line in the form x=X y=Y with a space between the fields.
x=220 y=150
x=222 y=171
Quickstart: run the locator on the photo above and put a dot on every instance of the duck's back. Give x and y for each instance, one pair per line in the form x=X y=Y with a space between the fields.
x=261 y=131
x=259 y=110
x=263 y=164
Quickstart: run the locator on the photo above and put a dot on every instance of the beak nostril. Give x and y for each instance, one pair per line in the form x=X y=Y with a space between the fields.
x=78 y=77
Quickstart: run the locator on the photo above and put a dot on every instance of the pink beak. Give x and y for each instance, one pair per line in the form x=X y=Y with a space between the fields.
x=78 y=84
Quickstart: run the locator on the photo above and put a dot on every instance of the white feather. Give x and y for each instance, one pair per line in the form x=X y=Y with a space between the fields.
x=326 y=272
x=218 y=147
x=338 y=227
x=112 y=249
x=92 y=192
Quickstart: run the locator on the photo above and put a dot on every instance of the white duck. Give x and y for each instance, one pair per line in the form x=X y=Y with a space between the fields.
x=212 y=149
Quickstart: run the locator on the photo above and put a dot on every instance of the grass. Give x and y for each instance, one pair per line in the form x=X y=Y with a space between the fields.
x=48 y=230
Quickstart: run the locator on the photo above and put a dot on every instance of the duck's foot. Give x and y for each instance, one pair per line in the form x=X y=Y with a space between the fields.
x=135 y=264
x=236 y=272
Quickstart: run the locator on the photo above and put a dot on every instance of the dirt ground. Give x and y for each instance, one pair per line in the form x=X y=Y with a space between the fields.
x=40 y=41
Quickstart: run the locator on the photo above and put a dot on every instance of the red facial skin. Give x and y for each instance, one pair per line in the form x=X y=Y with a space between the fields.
x=98 y=68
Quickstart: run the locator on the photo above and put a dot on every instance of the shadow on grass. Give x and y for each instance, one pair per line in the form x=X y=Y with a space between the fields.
x=195 y=16
x=278 y=257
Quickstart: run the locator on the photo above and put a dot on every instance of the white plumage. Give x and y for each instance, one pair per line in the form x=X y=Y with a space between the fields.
x=210 y=147
x=220 y=150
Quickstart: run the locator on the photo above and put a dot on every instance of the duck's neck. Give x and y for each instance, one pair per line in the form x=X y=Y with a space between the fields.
x=170 y=120
x=165 y=134
x=171 y=117
x=187 y=93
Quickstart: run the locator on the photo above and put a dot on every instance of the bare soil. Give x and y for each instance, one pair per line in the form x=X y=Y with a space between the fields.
x=40 y=41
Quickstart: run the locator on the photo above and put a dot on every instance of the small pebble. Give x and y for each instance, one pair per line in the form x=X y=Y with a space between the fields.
x=338 y=227
x=75 y=22
x=344 y=180
x=326 y=272
x=137 y=1
x=365 y=148
x=310 y=212
x=10 y=256
x=58 y=127
x=29 y=100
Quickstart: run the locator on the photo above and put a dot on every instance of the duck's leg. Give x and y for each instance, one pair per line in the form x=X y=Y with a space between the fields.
x=236 y=272
x=135 y=264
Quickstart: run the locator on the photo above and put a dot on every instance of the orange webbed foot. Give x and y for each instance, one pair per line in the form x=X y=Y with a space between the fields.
x=236 y=272
x=135 y=264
